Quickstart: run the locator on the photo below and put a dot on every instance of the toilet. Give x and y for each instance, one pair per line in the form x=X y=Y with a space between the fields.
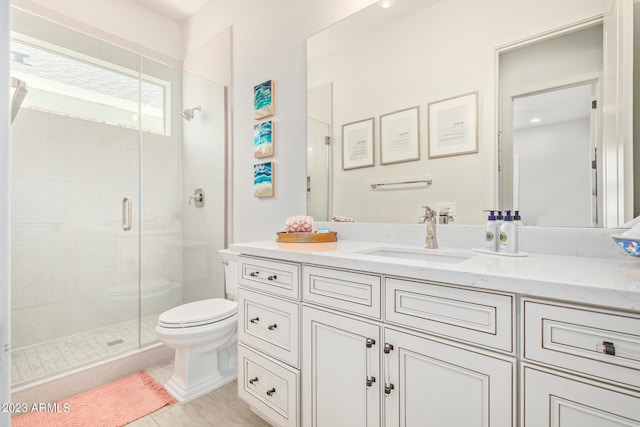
x=204 y=335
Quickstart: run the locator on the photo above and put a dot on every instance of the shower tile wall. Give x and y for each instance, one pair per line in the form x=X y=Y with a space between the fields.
x=68 y=180
x=203 y=167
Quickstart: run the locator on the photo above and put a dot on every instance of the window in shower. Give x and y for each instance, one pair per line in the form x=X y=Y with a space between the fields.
x=71 y=84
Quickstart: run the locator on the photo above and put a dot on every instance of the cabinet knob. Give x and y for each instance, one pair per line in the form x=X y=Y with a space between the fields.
x=272 y=327
x=253 y=380
x=253 y=274
x=370 y=342
x=254 y=320
x=388 y=388
x=370 y=381
x=270 y=392
x=609 y=348
x=272 y=277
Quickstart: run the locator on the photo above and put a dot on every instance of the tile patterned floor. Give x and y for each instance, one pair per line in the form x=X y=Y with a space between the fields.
x=220 y=408
x=39 y=360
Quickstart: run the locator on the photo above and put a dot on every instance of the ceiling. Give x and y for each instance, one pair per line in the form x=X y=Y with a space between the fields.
x=178 y=10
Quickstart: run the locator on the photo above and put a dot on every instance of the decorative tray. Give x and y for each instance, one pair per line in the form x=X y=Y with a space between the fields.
x=284 y=237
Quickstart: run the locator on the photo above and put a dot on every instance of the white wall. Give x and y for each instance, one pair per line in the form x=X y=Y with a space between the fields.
x=268 y=43
x=123 y=22
x=5 y=274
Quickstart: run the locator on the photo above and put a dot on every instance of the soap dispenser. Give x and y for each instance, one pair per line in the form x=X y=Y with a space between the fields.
x=517 y=219
x=508 y=235
x=491 y=232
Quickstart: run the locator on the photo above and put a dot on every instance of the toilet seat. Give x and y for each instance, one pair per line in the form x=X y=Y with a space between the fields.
x=198 y=313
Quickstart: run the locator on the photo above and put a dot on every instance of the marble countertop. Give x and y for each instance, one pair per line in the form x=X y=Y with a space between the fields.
x=586 y=280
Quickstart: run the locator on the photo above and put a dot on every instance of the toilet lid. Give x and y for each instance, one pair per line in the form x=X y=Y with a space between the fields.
x=198 y=313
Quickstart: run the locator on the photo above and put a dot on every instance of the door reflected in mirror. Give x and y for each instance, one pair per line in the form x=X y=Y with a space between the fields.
x=554 y=157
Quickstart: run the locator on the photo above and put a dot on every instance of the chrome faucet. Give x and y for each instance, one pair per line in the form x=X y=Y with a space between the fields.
x=430 y=218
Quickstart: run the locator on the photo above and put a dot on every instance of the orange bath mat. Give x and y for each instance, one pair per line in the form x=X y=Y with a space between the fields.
x=114 y=404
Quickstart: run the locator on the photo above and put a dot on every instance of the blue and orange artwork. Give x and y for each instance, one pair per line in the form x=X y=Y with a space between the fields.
x=263 y=179
x=263 y=100
x=263 y=139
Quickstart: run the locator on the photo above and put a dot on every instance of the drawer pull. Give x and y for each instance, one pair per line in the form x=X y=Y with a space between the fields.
x=370 y=381
x=272 y=277
x=254 y=273
x=254 y=320
x=252 y=381
x=388 y=388
x=270 y=392
x=272 y=327
x=609 y=348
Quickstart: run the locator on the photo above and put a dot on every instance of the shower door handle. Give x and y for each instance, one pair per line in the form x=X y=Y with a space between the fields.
x=126 y=214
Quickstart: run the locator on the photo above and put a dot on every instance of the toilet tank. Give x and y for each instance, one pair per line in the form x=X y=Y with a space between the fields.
x=230 y=261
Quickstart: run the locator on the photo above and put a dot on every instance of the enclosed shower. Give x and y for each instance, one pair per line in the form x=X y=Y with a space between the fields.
x=102 y=167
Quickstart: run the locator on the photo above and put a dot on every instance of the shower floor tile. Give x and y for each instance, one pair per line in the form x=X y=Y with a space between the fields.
x=50 y=357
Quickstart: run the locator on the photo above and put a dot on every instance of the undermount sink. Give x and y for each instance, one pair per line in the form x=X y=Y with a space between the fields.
x=434 y=255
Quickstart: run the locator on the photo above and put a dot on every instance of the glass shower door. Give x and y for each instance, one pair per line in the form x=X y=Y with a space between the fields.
x=75 y=173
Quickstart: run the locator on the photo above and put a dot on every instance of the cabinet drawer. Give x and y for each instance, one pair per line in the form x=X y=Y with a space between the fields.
x=578 y=338
x=479 y=317
x=551 y=399
x=276 y=277
x=269 y=386
x=343 y=290
x=269 y=324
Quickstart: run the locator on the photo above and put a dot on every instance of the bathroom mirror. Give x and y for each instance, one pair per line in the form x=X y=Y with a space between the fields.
x=431 y=55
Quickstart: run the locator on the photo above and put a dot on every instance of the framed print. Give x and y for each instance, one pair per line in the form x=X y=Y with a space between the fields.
x=400 y=136
x=357 y=144
x=263 y=139
x=263 y=100
x=453 y=126
x=263 y=180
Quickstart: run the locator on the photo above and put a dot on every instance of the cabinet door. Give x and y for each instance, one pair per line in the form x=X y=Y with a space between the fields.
x=340 y=355
x=431 y=382
x=561 y=401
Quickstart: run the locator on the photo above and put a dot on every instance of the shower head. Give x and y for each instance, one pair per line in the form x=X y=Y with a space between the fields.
x=189 y=113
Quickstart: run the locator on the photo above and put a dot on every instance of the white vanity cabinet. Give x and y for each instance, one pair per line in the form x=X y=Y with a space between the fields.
x=429 y=381
x=359 y=370
x=581 y=365
x=269 y=339
x=341 y=376
x=323 y=346
x=430 y=376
